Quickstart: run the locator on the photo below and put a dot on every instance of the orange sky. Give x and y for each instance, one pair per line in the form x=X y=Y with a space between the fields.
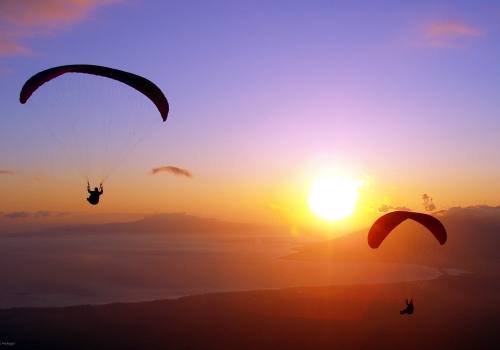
x=263 y=99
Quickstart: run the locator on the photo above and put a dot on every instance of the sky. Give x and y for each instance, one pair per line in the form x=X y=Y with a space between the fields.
x=265 y=96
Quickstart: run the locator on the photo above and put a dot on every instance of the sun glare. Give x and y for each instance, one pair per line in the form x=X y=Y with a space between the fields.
x=333 y=198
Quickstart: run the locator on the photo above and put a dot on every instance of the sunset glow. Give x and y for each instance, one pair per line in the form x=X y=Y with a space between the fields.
x=249 y=174
x=333 y=198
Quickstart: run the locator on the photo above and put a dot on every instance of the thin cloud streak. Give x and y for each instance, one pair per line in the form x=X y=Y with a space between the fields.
x=451 y=28
x=9 y=47
x=172 y=170
x=26 y=215
x=20 y=19
x=448 y=34
x=384 y=208
x=7 y=172
x=41 y=214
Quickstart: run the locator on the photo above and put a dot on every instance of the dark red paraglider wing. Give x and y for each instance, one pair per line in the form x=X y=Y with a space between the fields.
x=143 y=85
x=385 y=224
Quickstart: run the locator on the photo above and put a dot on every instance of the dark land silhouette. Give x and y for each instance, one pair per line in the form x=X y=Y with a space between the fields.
x=459 y=310
x=454 y=313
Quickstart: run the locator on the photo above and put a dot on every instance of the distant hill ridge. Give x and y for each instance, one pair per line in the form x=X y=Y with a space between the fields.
x=169 y=223
x=473 y=238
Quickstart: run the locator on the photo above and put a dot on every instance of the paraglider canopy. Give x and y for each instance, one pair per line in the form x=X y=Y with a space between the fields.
x=94 y=123
x=141 y=84
x=385 y=224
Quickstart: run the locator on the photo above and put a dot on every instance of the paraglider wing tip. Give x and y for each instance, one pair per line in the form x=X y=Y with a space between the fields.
x=371 y=241
x=25 y=93
x=443 y=235
x=164 y=110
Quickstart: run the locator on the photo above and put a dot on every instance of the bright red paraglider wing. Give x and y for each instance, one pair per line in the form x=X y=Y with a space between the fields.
x=143 y=85
x=385 y=224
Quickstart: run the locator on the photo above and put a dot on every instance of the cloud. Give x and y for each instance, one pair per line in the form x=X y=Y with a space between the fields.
x=172 y=170
x=428 y=202
x=384 y=208
x=451 y=28
x=8 y=46
x=476 y=210
x=7 y=172
x=32 y=215
x=17 y=215
x=448 y=34
x=20 y=19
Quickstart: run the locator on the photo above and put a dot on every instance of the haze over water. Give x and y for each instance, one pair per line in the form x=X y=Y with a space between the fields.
x=84 y=268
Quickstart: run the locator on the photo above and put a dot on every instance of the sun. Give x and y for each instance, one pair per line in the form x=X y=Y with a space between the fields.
x=333 y=197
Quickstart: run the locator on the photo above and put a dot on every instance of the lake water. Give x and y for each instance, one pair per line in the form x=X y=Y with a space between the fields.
x=74 y=269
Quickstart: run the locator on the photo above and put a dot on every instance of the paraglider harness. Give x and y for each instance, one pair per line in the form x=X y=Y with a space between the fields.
x=409 y=308
x=95 y=194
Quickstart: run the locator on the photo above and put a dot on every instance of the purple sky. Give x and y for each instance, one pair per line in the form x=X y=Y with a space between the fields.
x=405 y=93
